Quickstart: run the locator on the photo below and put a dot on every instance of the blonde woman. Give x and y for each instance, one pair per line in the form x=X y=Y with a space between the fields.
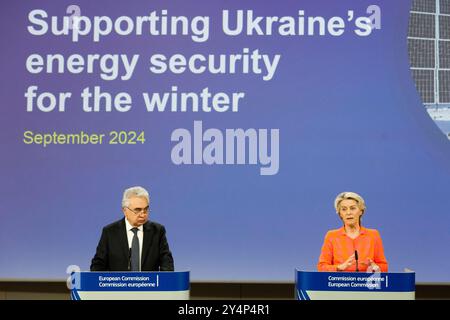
x=352 y=247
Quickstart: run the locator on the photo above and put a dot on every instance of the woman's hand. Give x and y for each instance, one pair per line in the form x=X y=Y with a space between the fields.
x=373 y=267
x=347 y=263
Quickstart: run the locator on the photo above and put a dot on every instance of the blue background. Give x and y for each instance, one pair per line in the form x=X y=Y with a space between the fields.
x=350 y=119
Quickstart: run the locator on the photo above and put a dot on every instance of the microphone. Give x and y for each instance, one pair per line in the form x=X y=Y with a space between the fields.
x=129 y=260
x=356 y=258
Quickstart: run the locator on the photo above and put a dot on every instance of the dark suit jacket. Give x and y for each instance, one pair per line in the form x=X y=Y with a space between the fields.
x=113 y=251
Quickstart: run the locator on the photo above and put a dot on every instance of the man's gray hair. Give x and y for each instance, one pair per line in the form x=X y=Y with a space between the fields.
x=134 y=192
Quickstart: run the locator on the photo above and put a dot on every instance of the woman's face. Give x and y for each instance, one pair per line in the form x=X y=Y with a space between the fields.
x=350 y=212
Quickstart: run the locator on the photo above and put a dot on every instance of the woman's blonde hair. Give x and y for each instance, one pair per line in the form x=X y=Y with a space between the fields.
x=349 y=196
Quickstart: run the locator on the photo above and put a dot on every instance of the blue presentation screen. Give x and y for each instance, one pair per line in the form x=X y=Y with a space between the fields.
x=243 y=119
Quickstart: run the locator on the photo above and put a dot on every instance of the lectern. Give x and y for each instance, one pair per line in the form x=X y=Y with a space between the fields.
x=130 y=285
x=354 y=286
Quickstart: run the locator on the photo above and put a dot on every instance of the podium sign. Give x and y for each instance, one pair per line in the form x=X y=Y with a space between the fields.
x=130 y=285
x=354 y=286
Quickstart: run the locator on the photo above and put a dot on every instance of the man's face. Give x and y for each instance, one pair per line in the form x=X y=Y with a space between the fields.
x=137 y=211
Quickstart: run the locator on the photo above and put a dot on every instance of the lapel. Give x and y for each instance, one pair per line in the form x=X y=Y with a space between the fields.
x=148 y=238
x=124 y=240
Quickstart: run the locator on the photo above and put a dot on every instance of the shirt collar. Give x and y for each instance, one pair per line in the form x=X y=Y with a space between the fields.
x=362 y=230
x=128 y=226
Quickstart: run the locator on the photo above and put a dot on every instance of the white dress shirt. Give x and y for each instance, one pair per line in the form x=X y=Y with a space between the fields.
x=130 y=236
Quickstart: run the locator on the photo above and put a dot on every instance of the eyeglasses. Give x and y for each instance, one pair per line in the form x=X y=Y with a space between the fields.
x=137 y=211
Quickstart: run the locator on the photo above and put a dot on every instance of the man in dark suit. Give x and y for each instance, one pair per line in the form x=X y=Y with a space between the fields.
x=133 y=243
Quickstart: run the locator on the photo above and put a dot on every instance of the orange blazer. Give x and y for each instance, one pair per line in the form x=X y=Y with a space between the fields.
x=338 y=247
